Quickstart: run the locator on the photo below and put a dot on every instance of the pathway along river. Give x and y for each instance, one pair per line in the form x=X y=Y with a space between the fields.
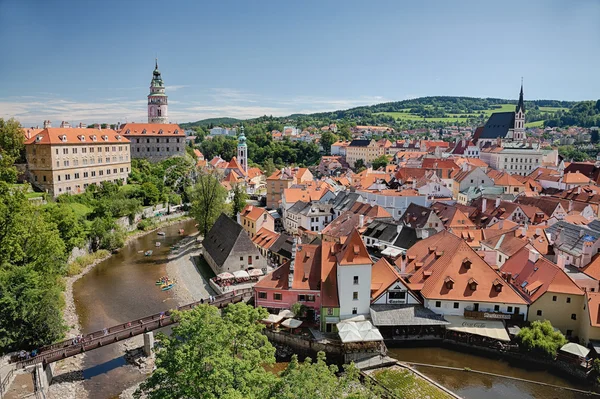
x=117 y=290
x=122 y=288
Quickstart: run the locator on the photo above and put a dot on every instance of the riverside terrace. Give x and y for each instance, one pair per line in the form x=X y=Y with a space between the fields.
x=97 y=339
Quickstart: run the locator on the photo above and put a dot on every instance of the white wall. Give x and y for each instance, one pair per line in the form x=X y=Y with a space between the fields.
x=447 y=307
x=346 y=288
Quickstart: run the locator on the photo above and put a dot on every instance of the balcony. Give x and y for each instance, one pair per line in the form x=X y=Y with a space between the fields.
x=490 y=314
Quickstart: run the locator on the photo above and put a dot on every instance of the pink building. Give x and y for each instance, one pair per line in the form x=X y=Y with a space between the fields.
x=297 y=280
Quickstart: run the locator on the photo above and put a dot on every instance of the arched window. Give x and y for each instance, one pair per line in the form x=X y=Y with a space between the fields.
x=159 y=112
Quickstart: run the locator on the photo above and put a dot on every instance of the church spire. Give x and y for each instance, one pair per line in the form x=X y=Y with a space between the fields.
x=521 y=104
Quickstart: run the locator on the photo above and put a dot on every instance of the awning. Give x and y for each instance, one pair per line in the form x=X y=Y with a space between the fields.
x=241 y=274
x=225 y=276
x=575 y=349
x=291 y=323
x=392 y=252
x=358 y=331
x=272 y=319
x=286 y=314
x=486 y=328
x=405 y=315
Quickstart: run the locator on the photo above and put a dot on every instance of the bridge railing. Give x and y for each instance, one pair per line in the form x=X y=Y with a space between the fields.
x=67 y=348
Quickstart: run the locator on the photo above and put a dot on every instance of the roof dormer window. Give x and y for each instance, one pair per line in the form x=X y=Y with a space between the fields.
x=449 y=282
x=127 y=131
x=82 y=138
x=105 y=137
x=466 y=263
x=94 y=138
x=38 y=138
x=160 y=131
x=472 y=284
x=63 y=138
x=144 y=131
x=118 y=137
x=176 y=131
x=497 y=285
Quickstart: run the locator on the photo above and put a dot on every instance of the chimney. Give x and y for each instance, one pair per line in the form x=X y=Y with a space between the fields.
x=497 y=202
x=361 y=221
x=292 y=261
x=47 y=124
x=403 y=262
x=533 y=255
x=483 y=204
x=560 y=261
x=501 y=223
x=570 y=205
x=581 y=233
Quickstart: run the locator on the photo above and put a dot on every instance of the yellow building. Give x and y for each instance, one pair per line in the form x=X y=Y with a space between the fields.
x=68 y=160
x=590 y=321
x=551 y=293
x=367 y=150
x=253 y=218
x=282 y=179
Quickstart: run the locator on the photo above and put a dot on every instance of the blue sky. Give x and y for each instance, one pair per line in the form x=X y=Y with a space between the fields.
x=92 y=61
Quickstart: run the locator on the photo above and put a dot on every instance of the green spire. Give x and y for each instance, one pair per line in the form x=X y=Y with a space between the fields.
x=242 y=138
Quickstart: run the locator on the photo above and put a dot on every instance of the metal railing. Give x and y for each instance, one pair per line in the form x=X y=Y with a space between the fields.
x=5 y=382
x=72 y=347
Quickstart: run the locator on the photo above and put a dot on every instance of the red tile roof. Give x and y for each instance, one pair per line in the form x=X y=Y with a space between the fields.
x=75 y=135
x=307 y=272
x=152 y=129
x=354 y=251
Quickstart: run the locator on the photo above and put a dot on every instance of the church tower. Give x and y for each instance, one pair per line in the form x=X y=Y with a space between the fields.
x=242 y=150
x=519 y=129
x=157 y=99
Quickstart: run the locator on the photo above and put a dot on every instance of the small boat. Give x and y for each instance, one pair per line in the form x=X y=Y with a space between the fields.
x=147 y=253
x=158 y=244
x=168 y=287
x=161 y=233
x=161 y=282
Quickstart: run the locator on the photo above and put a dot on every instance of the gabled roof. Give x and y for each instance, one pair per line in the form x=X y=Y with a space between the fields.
x=504 y=179
x=265 y=238
x=433 y=260
x=307 y=272
x=498 y=125
x=329 y=294
x=235 y=165
x=416 y=216
x=452 y=217
x=360 y=143
x=223 y=236
x=571 y=238
x=534 y=279
x=506 y=243
x=253 y=212
x=354 y=251
x=344 y=200
x=383 y=276
x=435 y=163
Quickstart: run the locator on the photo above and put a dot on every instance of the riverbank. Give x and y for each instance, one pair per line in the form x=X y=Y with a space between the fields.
x=69 y=372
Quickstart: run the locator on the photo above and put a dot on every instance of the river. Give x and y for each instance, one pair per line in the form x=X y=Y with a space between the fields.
x=118 y=290
x=122 y=288
x=476 y=386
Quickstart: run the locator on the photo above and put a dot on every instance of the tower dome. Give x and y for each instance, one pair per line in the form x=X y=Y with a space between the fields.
x=157 y=99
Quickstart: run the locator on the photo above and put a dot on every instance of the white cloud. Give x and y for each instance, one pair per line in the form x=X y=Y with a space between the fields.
x=221 y=102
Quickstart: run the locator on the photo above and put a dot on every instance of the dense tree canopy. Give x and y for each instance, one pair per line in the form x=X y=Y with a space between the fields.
x=541 y=338
x=32 y=259
x=207 y=199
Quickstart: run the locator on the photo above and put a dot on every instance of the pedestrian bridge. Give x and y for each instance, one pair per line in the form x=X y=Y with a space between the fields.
x=68 y=348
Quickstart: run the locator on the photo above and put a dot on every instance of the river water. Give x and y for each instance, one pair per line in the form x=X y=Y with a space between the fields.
x=122 y=288
x=118 y=290
x=476 y=386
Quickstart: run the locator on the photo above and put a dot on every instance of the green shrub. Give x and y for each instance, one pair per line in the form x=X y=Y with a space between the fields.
x=84 y=261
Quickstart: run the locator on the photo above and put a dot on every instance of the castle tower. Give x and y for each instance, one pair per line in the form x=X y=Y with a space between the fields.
x=519 y=129
x=242 y=150
x=157 y=99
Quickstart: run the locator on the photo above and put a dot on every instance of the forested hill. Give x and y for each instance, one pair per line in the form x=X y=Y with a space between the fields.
x=419 y=112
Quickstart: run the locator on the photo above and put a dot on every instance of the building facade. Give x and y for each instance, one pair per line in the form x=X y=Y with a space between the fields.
x=68 y=160
x=155 y=141
x=367 y=150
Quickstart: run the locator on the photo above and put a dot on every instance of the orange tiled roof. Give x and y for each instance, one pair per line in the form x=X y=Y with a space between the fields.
x=575 y=178
x=76 y=135
x=506 y=243
x=264 y=238
x=152 y=129
x=593 y=306
x=254 y=172
x=252 y=212
x=541 y=276
x=383 y=276
x=354 y=251
x=307 y=272
x=329 y=294
x=445 y=255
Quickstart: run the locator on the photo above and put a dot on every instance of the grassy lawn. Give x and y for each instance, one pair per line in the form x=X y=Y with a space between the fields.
x=407 y=116
x=407 y=385
x=535 y=124
x=80 y=209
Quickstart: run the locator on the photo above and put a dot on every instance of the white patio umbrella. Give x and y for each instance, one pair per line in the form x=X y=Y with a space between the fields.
x=225 y=276
x=255 y=272
x=291 y=323
x=286 y=314
x=241 y=274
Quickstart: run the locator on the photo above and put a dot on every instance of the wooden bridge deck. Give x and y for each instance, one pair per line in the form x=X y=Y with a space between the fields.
x=120 y=332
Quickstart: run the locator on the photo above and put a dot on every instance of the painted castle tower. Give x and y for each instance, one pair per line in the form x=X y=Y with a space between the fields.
x=157 y=99
x=242 y=150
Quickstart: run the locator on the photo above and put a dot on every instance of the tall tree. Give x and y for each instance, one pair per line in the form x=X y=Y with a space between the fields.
x=239 y=199
x=32 y=259
x=380 y=162
x=207 y=199
x=327 y=139
x=69 y=224
x=359 y=165
x=210 y=356
x=541 y=338
x=11 y=138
